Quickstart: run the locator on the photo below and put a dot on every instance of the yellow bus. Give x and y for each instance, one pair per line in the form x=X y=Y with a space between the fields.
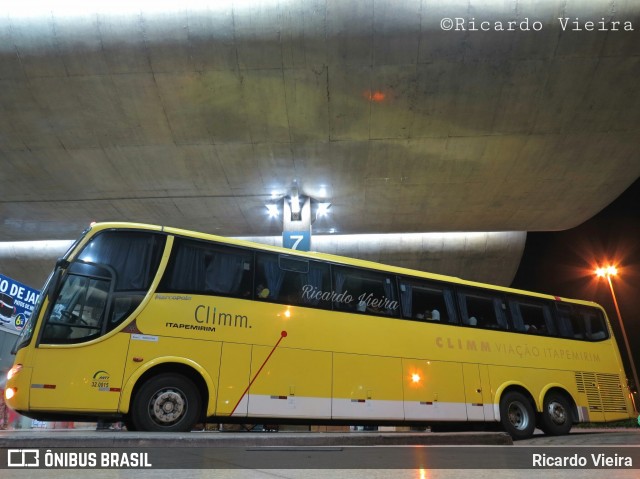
x=165 y=328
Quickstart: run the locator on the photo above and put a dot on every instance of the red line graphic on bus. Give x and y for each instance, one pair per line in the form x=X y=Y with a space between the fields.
x=283 y=335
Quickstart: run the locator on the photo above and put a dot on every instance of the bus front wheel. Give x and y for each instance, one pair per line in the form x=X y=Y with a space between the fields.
x=516 y=415
x=556 y=417
x=168 y=402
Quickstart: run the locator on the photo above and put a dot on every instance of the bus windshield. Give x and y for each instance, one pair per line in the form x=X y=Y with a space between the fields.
x=27 y=332
x=102 y=286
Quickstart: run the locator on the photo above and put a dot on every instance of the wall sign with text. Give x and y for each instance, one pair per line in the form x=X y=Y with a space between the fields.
x=298 y=240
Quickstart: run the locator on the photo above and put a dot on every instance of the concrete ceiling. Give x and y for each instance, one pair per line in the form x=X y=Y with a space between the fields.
x=194 y=116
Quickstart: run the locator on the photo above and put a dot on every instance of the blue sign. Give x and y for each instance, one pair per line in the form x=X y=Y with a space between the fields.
x=298 y=240
x=16 y=302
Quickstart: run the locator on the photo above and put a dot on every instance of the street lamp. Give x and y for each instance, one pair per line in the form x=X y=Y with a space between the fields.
x=608 y=272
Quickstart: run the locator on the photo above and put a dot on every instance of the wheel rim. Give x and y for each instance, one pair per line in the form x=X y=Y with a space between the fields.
x=518 y=416
x=557 y=413
x=167 y=406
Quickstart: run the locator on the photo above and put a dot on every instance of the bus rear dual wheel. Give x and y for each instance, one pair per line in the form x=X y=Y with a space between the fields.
x=167 y=402
x=519 y=420
x=556 y=418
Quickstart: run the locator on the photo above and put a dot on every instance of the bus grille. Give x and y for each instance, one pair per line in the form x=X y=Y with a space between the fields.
x=603 y=391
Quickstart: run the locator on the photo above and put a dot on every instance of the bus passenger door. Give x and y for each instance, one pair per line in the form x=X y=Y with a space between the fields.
x=473 y=390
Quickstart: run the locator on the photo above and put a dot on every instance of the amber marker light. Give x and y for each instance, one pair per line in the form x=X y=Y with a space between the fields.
x=13 y=371
x=415 y=378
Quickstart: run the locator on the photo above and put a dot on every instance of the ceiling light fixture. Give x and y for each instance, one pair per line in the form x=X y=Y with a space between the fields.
x=323 y=209
x=273 y=210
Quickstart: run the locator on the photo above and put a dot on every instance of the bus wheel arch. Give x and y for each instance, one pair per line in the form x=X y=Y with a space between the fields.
x=559 y=412
x=517 y=412
x=168 y=397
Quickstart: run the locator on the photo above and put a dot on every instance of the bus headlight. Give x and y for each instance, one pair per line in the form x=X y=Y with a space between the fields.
x=9 y=393
x=13 y=371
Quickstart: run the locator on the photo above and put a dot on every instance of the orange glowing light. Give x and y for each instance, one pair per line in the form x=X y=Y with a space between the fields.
x=606 y=271
x=415 y=377
x=375 y=96
x=424 y=473
x=14 y=370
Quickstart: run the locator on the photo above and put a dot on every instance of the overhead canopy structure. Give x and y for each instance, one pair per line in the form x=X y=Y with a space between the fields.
x=194 y=114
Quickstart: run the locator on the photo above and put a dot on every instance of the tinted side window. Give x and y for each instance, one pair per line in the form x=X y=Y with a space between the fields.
x=425 y=301
x=202 y=268
x=482 y=310
x=581 y=322
x=530 y=316
x=569 y=322
x=290 y=280
x=595 y=325
x=133 y=258
x=364 y=291
x=134 y=255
